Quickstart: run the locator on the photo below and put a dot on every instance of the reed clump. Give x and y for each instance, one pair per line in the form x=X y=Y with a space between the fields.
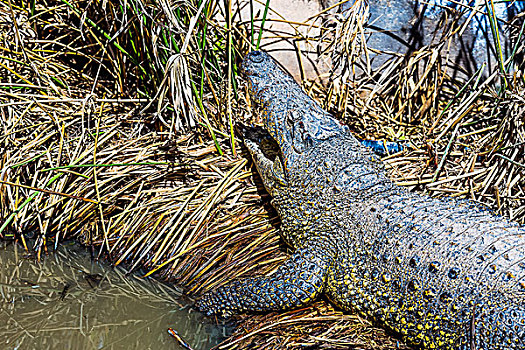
x=117 y=130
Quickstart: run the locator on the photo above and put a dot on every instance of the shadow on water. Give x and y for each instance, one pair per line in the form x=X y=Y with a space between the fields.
x=67 y=301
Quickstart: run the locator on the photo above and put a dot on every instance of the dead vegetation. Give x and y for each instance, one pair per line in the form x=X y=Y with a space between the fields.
x=117 y=121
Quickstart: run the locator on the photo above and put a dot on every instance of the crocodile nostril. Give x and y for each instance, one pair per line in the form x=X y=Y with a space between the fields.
x=256 y=56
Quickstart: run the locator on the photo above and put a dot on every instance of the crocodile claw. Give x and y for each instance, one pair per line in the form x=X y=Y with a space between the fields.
x=210 y=304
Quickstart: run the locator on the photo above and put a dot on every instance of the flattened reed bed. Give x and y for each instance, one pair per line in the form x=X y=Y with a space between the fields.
x=115 y=131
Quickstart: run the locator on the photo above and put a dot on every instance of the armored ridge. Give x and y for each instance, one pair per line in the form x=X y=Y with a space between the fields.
x=442 y=273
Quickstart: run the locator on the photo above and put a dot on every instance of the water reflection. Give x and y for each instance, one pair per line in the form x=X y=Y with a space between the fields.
x=69 y=302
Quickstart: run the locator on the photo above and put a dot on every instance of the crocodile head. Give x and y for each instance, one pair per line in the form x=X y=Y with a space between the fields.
x=293 y=124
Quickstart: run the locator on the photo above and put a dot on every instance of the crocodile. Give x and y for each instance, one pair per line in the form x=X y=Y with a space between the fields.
x=441 y=273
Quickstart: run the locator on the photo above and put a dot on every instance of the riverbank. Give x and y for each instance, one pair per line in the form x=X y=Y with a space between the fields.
x=69 y=301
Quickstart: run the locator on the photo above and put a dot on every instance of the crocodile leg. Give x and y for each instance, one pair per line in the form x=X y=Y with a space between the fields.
x=295 y=283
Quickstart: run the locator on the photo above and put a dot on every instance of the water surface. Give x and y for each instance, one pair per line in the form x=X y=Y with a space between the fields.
x=68 y=301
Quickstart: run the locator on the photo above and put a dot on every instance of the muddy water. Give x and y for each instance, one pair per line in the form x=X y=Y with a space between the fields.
x=67 y=301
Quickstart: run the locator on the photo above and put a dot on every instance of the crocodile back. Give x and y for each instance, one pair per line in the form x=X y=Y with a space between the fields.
x=444 y=273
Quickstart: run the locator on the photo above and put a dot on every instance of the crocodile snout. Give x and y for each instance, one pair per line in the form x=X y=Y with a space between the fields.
x=256 y=56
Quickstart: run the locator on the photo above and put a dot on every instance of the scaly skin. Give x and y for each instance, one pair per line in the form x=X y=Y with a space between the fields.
x=442 y=273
